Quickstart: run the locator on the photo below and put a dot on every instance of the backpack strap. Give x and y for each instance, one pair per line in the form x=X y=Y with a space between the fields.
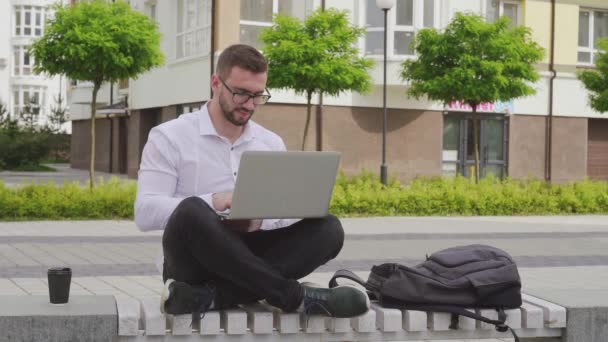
x=348 y=275
x=372 y=291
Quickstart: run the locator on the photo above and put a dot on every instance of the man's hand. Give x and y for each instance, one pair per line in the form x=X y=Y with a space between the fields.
x=222 y=200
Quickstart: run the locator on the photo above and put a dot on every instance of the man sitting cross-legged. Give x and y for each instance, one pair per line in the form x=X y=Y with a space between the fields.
x=187 y=174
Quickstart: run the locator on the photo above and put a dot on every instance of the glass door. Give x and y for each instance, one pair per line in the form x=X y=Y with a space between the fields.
x=459 y=147
x=493 y=148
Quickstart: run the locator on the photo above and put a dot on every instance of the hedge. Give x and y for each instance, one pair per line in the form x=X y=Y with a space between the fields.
x=365 y=196
x=362 y=195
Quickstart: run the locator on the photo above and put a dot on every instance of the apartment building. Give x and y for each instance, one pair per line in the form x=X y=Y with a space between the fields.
x=22 y=21
x=553 y=134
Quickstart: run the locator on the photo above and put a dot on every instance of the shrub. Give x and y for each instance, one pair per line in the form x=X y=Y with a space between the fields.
x=362 y=195
x=111 y=200
x=19 y=148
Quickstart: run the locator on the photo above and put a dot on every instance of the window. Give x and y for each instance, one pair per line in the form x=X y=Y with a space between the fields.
x=257 y=15
x=498 y=8
x=152 y=12
x=403 y=20
x=193 y=28
x=29 y=21
x=28 y=98
x=22 y=62
x=592 y=25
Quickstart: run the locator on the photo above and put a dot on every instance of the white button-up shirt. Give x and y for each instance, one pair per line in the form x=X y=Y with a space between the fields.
x=187 y=157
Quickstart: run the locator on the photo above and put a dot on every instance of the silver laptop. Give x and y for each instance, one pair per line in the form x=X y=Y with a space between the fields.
x=272 y=184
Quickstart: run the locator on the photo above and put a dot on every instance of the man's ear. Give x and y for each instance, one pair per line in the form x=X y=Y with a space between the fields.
x=216 y=84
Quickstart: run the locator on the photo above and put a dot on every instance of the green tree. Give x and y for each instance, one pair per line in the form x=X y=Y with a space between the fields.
x=315 y=56
x=596 y=81
x=4 y=116
x=474 y=62
x=58 y=115
x=97 y=41
x=30 y=115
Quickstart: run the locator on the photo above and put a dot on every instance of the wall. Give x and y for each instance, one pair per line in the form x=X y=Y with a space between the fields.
x=5 y=34
x=227 y=17
x=526 y=146
x=80 y=149
x=413 y=139
x=179 y=80
x=569 y=152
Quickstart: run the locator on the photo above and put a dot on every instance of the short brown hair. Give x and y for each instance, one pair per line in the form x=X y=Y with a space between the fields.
x=243 y=56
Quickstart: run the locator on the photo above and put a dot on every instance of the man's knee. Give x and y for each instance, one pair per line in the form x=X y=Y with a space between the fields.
x=190 y=213
x=189 y=209
x=333 y=233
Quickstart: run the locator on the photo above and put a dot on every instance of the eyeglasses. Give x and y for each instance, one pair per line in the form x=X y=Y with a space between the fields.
x=240 y=98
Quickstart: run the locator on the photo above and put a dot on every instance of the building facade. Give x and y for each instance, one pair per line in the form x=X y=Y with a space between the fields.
x=553 y=134
x=20 y=89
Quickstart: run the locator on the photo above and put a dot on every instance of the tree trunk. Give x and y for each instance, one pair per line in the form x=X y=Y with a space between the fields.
x=476 y=142
x=308 y=112
x=93 y=114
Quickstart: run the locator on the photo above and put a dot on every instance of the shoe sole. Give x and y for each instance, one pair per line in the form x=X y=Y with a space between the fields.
x=165 y=295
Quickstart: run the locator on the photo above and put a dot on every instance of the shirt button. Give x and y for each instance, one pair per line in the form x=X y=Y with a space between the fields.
x=231 y=148
x=235 y=173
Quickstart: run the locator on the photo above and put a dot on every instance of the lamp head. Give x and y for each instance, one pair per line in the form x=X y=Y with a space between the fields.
x=385 y=4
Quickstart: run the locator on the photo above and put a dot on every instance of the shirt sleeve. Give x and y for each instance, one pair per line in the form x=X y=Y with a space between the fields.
x=157 y=182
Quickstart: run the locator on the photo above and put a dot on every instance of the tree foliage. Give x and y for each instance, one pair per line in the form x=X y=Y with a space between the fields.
x=474 y=62
x=596 y=81
x=315 y=56
x=58 y=115
x=97 y=41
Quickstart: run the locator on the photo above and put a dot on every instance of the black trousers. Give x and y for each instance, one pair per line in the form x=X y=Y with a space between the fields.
x=246 y=267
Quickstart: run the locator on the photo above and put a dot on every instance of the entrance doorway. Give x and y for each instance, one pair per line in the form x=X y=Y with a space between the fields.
x=458 y=145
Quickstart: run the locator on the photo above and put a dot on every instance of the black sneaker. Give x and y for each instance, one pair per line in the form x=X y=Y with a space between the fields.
x=180 y=298
x=342 y=301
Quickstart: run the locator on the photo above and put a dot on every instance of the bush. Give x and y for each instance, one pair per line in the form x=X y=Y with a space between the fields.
x=363 y=195
x=109 y=200
x=21 y=146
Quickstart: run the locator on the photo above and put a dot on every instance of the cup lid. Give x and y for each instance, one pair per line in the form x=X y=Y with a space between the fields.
x=60 y=270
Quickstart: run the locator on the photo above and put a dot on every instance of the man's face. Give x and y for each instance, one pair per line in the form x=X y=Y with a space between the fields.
x=239 y=82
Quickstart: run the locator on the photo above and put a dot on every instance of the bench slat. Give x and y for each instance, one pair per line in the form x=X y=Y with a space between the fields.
x=210 y=324
x=387 y=319
x=284 y=322
x=414 y=320
x=488 y=313
x=154 y=322
x=128 y=315
x=338 y=325
x=554 y=315
x=532 y=316
x=234 y=321
x=364 y=323
x=440 y=321
x=312 y=323
x=259 y=319
x=513 y=318
x=180 y=325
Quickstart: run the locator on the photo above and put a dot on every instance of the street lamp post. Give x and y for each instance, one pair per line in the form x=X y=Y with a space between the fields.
x=385 y=6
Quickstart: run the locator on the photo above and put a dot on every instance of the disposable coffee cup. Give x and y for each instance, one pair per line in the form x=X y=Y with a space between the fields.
x=59 y=284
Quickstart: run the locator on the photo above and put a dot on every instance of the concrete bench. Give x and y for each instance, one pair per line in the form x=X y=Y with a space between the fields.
x=141 y=320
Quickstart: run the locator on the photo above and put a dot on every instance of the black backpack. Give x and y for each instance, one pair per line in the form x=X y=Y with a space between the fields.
x=450 y=280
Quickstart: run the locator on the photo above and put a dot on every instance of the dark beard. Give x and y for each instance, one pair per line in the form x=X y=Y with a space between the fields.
x=231 y=116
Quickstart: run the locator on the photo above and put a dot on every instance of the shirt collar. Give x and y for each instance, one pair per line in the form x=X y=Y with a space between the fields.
x=206 y=126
